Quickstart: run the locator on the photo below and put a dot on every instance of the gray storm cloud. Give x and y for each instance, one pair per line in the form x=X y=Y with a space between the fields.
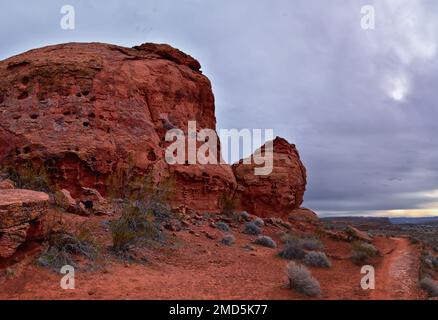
x=361 y=105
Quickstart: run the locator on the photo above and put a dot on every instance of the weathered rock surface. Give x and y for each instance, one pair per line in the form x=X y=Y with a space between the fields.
x=356 y=234
x=6 y=184
x=276 y=194
x=303 y=214
x=21 y=212
x=89 y=111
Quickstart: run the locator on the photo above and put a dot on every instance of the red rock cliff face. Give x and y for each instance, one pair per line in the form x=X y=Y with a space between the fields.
x=278 y=193
x=88 y=111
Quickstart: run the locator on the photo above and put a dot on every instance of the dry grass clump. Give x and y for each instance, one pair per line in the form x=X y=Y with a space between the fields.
x=302 y=281
x=265 y=241
x=317 y=259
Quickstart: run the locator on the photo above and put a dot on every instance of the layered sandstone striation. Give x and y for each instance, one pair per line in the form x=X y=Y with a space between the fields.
x=21 y=213
x=278 y=193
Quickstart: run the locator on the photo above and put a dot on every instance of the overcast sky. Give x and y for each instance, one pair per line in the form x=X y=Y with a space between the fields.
x=361 y=105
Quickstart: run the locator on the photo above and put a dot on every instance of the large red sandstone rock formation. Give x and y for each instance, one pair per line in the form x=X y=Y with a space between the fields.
x=278 y=193
x=88 y=112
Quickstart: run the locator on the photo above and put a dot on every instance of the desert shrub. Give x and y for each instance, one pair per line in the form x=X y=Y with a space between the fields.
x=292 y=250
x=259 y=222
x=222 y=226
x=136 y=224
x=28 y=175
x=317 y=259
x=265 y=241
x=430 y=261
x=251 y=228
x=311 y=244
x=244 y=215
x=227 y=203
x=362 y=252
x=430 y=286
x=228 y=240
x=306 y=242
x=301 y=280
x=64 y=247
x=143 y=205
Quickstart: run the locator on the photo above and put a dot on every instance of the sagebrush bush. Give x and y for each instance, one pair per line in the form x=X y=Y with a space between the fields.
x=144 y=208
x=252 y=229
x=265 y=241
x=311 y=244
x=292 y=250
x=228 y=240
x=244 y=215
x=306 y=242
x=317 y=259
x=137 y=223
x=362 y=252
x=63 y=247
x=430 y=286
x=259 y=222
x=222 y=226
x=301 y=280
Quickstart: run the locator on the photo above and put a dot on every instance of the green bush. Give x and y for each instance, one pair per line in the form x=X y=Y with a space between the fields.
x=137 y=223
x=362 y=252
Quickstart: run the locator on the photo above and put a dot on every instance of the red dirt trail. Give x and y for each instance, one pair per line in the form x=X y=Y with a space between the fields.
x=396 y=276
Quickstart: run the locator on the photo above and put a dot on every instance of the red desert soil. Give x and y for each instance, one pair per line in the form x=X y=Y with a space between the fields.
x=196 y=267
